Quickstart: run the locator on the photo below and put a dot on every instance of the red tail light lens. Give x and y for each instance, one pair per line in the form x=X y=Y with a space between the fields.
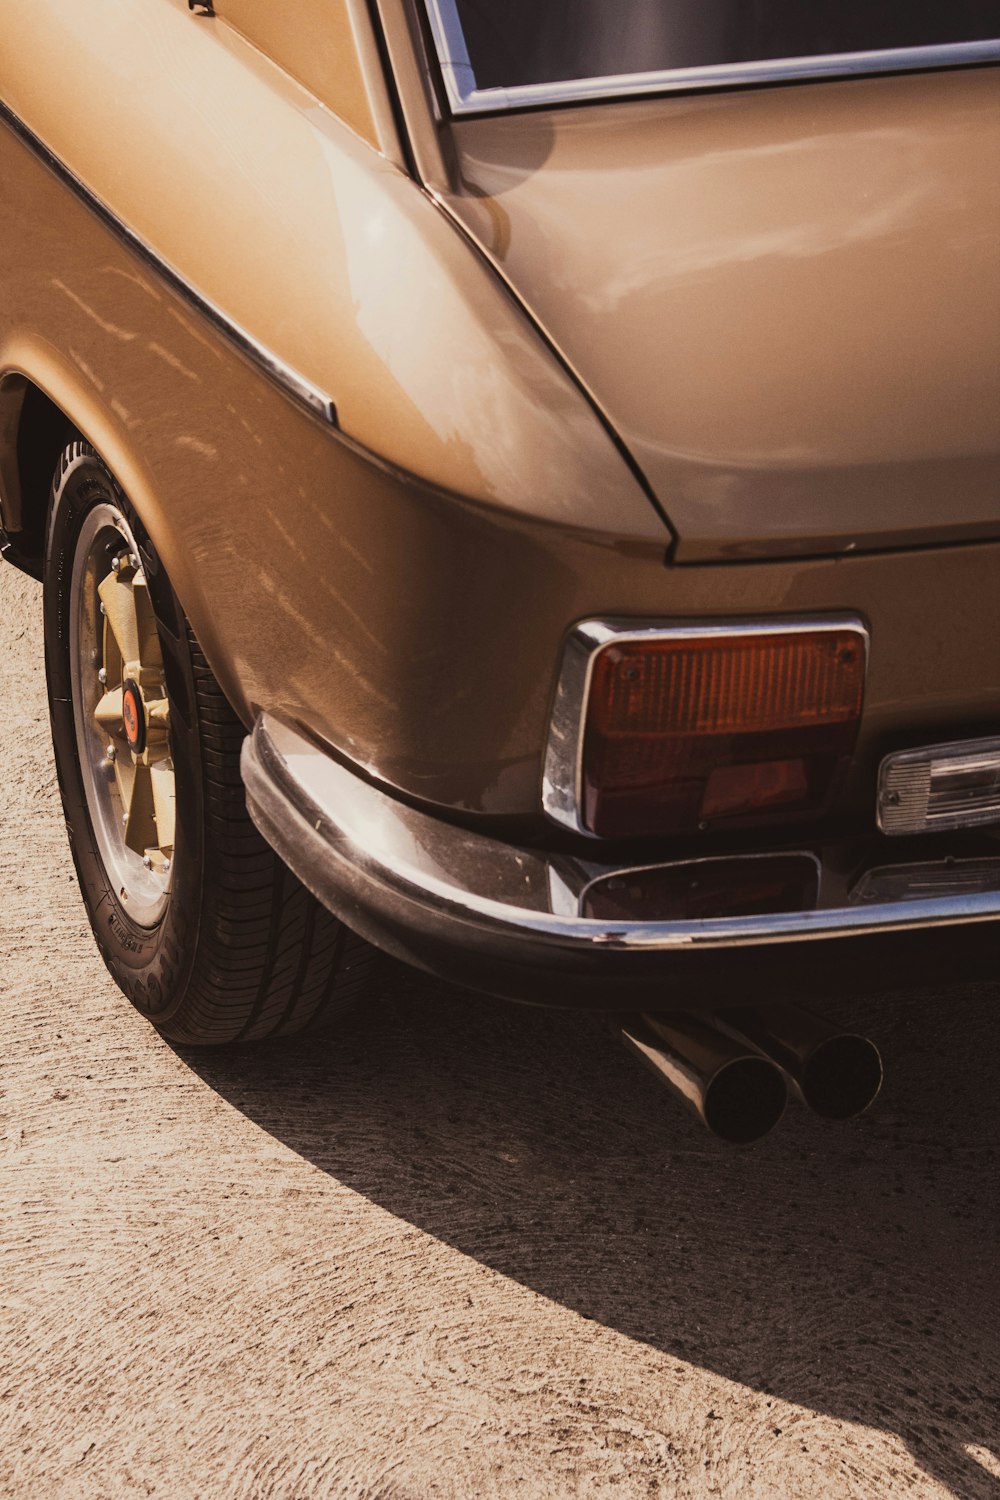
x=693 y=731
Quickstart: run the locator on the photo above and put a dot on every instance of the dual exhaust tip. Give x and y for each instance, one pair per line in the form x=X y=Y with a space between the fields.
x=736 y=1068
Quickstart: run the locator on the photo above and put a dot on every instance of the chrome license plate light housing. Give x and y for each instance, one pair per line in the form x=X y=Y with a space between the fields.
x=939 y=787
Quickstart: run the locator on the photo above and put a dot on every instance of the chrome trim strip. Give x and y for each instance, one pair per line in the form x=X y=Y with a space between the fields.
x=453 y=54
x=386 y=866
x=290 y=381
x=464 y=98
x=563 y=767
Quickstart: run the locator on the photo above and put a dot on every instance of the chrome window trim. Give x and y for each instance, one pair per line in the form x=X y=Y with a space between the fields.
x=297 y=386
x=464 y=98
x=563 y=765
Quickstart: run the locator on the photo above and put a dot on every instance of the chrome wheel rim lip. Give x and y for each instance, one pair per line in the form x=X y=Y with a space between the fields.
x=143 y=893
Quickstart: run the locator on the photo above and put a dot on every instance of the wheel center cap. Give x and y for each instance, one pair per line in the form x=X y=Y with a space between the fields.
x=134 y=717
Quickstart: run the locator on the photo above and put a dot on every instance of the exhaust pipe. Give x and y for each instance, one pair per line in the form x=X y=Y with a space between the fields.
x=732 y=1087
x=838 y=1074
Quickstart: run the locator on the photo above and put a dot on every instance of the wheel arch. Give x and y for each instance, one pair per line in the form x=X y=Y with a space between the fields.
x=41 y=410
x=45 y=404
x=33 y=432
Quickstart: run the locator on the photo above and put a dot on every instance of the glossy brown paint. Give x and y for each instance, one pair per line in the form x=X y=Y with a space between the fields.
x=786 y=300
x=322 y=251
x=354 y=597
x=407 y=603
x=322 y=48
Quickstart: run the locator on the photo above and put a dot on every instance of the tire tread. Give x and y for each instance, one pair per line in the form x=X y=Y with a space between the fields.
x=262 y=957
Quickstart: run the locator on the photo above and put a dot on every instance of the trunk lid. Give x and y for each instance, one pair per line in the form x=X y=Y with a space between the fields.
x=786 y=301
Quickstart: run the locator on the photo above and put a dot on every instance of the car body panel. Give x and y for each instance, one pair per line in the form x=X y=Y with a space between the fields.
x=317 y=576
x=298 y=239
x=323 y=50
x=786 y=301
x=399 y=584
x=327 y=587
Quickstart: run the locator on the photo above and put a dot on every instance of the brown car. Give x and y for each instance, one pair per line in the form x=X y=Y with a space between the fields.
x=567 y=437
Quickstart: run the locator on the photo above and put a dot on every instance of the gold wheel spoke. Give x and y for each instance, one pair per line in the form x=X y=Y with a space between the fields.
x=108 y=713
x=150 y=657
x=162 y=779
x=140 y=825
x=112 y=657
x=125 y=779
x=122 y=714
x=157 y=730
x=120 y=612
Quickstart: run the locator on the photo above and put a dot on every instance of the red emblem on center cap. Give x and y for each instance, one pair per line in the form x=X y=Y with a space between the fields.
x=133 y=718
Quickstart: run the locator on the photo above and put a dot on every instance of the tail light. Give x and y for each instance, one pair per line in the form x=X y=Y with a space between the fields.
x=704 y=727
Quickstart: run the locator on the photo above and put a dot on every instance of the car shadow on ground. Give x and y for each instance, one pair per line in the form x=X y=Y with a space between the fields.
x=851 y=1269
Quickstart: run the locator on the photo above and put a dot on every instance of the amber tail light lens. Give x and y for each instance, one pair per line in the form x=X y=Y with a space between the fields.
x=703 y=731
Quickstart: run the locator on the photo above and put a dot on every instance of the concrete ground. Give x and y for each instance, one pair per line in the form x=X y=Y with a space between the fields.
x=464 y=1250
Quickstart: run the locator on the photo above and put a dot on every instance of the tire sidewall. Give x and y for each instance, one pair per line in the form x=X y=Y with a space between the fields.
x=151 y=964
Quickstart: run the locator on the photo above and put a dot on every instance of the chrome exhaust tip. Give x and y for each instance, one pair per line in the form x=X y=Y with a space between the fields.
x=737 y=1092
x=837 y=1074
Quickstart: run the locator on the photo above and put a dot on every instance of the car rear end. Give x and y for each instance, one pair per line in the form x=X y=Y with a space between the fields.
x=768 y=753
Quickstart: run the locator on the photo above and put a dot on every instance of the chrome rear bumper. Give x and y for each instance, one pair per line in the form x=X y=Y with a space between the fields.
x=505 y=920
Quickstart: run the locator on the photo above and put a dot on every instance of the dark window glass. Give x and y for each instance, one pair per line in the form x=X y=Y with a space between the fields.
x=513 y=42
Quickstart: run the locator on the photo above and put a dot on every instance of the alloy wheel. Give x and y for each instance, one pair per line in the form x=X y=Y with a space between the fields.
x=122 y=714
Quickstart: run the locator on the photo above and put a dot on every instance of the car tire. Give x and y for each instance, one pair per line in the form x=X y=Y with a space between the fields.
x=200 y=924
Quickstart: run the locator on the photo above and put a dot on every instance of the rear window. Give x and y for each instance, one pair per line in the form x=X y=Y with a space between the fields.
x=511 y=44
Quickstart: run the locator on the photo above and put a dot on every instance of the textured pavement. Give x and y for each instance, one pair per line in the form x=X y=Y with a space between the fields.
x=464 y=1250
